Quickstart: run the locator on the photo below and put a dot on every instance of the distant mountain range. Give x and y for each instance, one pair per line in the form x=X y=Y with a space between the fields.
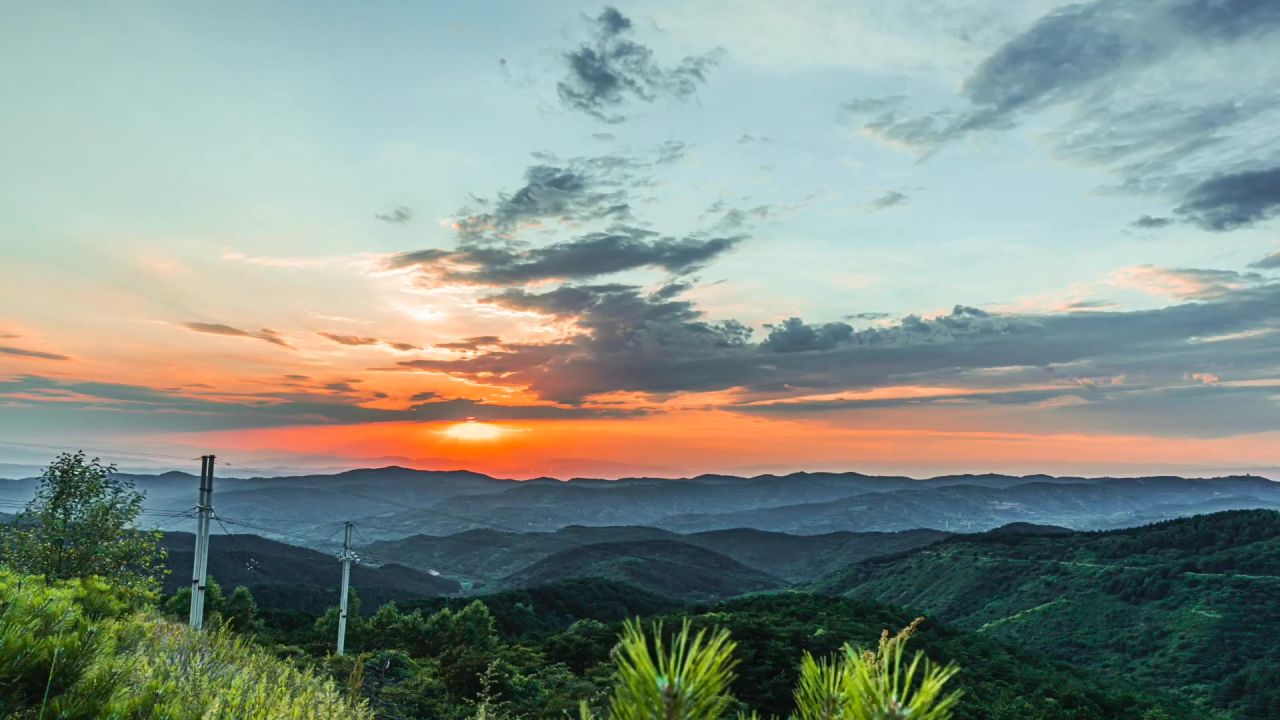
x=393 y=503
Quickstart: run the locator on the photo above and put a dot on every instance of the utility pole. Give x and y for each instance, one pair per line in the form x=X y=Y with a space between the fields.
x=346 y=587
x=204 y=511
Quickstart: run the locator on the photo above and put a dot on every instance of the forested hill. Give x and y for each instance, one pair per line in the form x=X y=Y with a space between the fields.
x=1190 y=605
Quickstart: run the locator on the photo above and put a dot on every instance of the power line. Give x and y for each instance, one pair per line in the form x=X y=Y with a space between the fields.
x=383 y=557
x=131 y=453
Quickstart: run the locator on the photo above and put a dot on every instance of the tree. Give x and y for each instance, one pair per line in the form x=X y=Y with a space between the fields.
x=79 y=525
x=241 y=611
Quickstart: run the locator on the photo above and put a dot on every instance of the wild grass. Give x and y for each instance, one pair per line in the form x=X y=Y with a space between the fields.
x=81 y=650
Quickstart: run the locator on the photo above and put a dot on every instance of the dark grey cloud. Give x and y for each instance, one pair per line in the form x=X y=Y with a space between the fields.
x=793 y=335
x=615 y=250
x=1058 y=55
x=1069 y=50
x=610 y=70
x=1270 y=262
x=427 y=395
x=1234 y=200
x=572 y=193
x=867 y=316
x=1148 y=222
x=1227 y=19
x=397 y=216
x=265 y=334
x=36 y=354
x=888 y=200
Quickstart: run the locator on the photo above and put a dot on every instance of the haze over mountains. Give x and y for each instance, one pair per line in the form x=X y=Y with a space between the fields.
x=703 y=537
x=394 y=502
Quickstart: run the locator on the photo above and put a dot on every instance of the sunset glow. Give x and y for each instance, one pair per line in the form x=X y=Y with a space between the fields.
x=763 y=248
x=472 y=430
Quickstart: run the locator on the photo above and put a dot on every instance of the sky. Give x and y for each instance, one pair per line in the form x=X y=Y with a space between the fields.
x=657 y=238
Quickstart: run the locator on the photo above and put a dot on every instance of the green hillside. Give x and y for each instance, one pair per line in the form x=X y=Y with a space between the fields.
x=664 y=567
x=473 y=555
x=1187 y=605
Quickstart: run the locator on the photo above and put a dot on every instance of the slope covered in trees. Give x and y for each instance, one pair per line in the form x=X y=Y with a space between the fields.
x=664 y=567
x=1187 y=605
x=472 y=555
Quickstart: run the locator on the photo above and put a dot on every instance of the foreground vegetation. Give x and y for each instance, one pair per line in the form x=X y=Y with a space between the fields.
x=85 y=649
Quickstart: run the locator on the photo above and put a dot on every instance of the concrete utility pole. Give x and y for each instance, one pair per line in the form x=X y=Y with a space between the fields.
x=204 y=512
x=346 y=587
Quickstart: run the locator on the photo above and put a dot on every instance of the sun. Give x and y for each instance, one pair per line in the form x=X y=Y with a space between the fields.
x=472 y=430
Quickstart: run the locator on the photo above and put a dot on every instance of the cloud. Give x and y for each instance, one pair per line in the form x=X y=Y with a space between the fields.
x=265 y=334
x=1186 y=283
x=83 y=404
x=1135 y=86
x=581 y=190
x=1235 y=200
x=37 y=354
x=397 y=216
x=472 y=344
x=1148 y=222
x=1270 y=262
x=615 y=250
x=793 y=335
x=888 y=200
x=610 y=70
x=350 y=339
x=657 y=344
x=1083 y=305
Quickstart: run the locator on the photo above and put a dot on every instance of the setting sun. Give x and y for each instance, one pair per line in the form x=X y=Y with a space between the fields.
x=472 y=430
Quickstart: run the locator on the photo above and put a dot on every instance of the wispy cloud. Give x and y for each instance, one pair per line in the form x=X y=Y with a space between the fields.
x=265 y=334
x=35 y=354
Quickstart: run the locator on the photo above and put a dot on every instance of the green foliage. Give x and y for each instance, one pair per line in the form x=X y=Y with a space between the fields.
x=875 y=685
x=685 y=680
x=689 y=679
x=82 y=650
x=78 y=525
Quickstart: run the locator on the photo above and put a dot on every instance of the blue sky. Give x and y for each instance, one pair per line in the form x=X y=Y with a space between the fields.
x=184 y=180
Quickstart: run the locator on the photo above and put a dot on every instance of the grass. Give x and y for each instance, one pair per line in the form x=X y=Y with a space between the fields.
x=81 y=650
